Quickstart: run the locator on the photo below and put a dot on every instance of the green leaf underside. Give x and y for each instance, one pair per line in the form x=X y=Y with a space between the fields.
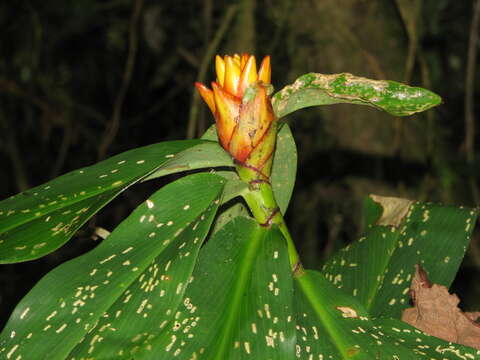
x=378 y=268
x=70 y=301
x=334 y=325
x=239 y=304
x=319 y=89
x=40 y=220
x=284 y=164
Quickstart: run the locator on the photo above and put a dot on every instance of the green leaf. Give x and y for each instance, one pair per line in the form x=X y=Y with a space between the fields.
x=378 y=268
x=334 y=325
x=239 y=304
x=40 y=220
x=284 y=169
x=115 y=291
x=319 y=89
x=198 y=157
x=423 y=345
x=210 y=134
x=372 y=211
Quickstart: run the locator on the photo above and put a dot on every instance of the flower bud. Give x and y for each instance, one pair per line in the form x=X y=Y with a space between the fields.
x=240 y=102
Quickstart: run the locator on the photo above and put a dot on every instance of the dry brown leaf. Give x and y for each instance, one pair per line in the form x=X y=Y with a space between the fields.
x=394 y=209
x=436 y=312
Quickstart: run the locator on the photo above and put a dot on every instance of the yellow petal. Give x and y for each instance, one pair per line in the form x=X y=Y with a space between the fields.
x=220 y=70
x=227 y=109
x=237 y=60
x=232 y=76
x=248 y=76
x=207 y=95
x=265 y=72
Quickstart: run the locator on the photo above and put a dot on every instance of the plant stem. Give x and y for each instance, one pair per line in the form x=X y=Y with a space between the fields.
x=262 y=204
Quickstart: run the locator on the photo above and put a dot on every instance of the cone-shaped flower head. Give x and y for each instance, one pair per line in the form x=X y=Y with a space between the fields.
x=243 y=112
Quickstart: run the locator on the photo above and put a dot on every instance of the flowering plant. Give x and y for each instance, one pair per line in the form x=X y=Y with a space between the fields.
x=191 y=275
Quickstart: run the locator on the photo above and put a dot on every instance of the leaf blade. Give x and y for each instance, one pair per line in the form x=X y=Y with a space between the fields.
x=315 y=89
x=52 y=207
x=378 y=267
x=225 y=323
x=334 y=325
x=66 y=303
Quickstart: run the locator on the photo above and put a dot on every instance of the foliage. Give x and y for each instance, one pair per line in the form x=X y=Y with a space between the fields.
x=164 y=285
x=64 y=65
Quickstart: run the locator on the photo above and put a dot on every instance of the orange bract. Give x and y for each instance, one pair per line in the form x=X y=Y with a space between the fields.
x=240 y=126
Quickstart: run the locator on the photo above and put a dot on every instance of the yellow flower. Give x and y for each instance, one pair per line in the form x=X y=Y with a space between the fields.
x=242 y=108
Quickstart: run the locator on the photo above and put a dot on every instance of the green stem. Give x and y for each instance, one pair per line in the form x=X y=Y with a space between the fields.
x=262 y=204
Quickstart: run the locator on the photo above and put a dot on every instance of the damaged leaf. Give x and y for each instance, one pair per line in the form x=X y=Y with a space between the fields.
x=436 y=312
x=315 y=89
x=394 y=209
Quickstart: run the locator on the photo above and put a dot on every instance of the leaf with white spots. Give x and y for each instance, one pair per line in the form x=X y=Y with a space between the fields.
x=423 y=345
x=40 y=220
x=198 y=157
x=239 y=304
x=319 y=89
x=333 y=325
x=152 y=299
x=378 y=268
x=70 y=301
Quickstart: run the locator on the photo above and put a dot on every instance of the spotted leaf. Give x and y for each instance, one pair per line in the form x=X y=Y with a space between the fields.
x=334 y=325
x=424 y=346
x=38 y=221
x=239 y=304
x=113 y=294
x=378 y=268
x=319 y=89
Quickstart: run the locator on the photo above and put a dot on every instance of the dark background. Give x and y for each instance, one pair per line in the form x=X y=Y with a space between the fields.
x=83 y=80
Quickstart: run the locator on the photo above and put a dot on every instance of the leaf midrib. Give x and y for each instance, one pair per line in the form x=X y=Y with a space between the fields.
x=372 y=295
x=248 y=257
x=305 y=283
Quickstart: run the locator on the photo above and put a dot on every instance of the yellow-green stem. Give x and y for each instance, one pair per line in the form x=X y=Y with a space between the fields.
x=262 y=204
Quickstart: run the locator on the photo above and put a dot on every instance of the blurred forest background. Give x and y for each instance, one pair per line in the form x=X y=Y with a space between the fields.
x=83 y=80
